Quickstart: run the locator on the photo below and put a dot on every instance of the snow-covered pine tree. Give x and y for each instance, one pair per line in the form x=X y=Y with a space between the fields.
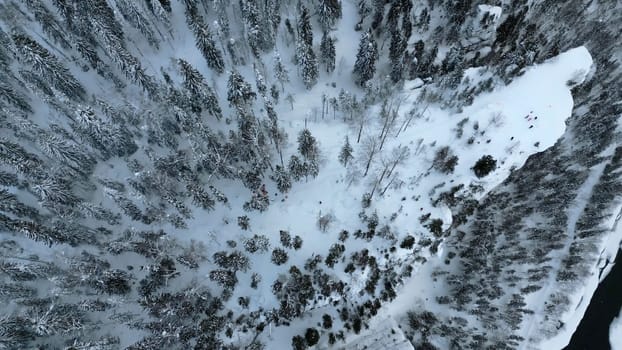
x=69 y=154
x=309 y=67
x=110 y=139
x=49 y=24
x=203 y=38
x=282 y=179
x=327 y=53
x=305 y=31
x=252 y=143
x=328 y=12
x=278 y=136
x=195 y=83
x=365 y=65
x=239 y=93
x=346 y=153
x=393 y=16
x=397 y=48
x=220 y=8
x=48 y=66
x=135 y=17
x=260 y=27
x=305 y=56
x=296 y=168
x=307 y=145
x=200 y=196
x=308 y=148
x=378 y=7
x=260 y=81
x=280 y=72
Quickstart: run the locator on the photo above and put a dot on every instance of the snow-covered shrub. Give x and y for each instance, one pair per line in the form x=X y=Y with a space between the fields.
x=323 y=221
x=484 y=166
x=279 y=256
x=444 y=160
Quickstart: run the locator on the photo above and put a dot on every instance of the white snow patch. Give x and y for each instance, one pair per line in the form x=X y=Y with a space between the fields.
x=384 y=335
x=491 y=10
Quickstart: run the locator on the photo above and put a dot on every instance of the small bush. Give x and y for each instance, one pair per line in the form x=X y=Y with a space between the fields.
x=244 y=222
x=312 y=336
x=408 y=242
x=436 y=227
x=279 y=256
x=484 y=166
x=323 y=221
x=297 y=242
x=366 y=200
x=444 y=160
x=327 y=321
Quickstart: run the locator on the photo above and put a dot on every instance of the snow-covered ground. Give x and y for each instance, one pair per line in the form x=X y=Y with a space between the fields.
x=510 y=124
x=507 y=129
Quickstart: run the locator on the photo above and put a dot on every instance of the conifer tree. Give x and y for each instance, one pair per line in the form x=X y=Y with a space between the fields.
x=282 y=178
x=327 y=53
x=304 y=50
x=307 y=145
x=365 y=65
x=309 y=68
x=305 y=32
x=260 y=19
x=328 y=12
x=260 y=81
x=48 y=66
x=378 y=13
x=280 y=72
x=195 y=83
x=396 y=55
x=203 y=39
x=239 y=94
x=296 y=168
x=346 y=153
x=134 y=16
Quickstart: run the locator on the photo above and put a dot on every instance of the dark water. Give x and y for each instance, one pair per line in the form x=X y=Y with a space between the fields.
x=593 y=331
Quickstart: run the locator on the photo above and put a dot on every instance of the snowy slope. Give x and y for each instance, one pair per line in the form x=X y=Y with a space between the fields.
x=509 y=123
x=542 y=92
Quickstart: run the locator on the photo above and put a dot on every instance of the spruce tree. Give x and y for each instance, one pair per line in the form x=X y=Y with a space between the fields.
x=135 y=17
x=346 y=153
x=296 y=168
x=203 y=38
x=282 y=178
x=307 y=145
x=328 y=12
x=304 y=50
x=397 y=48
x=48 y=66
x=260 y=81
x=378 y=13
x=239 y=94
x=305 y=32
x=195 y=83
x=327 y=53
x=365 y=65
x=309 y=69
x=280 y=72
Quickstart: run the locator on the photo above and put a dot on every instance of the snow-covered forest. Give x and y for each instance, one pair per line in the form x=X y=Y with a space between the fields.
x=319 y=174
